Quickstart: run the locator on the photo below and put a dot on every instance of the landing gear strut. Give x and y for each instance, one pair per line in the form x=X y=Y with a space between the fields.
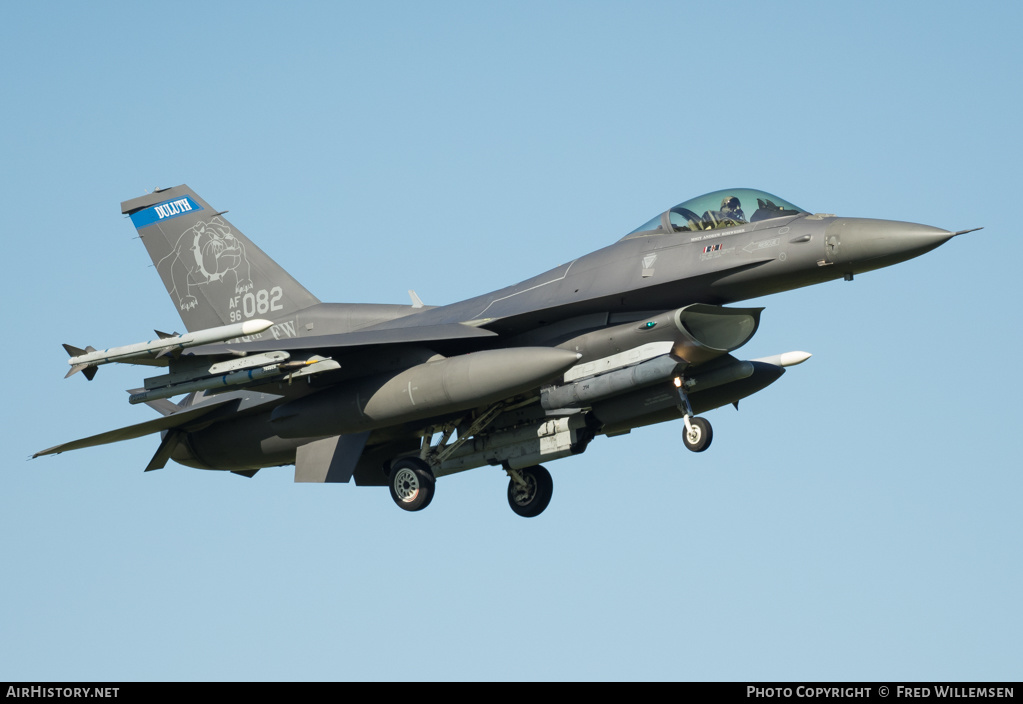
x=529 y=490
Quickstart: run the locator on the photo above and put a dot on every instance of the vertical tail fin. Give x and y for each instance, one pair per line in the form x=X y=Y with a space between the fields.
x=213 y=273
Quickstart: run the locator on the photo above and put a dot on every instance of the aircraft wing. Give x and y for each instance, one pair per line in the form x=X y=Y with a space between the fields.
x=174 y=420
x=358 y=338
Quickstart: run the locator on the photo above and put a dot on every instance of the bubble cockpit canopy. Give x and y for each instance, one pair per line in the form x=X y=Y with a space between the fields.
x=718 y=210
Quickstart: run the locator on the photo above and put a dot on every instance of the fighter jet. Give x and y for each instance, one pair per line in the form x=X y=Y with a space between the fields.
x=401 y=395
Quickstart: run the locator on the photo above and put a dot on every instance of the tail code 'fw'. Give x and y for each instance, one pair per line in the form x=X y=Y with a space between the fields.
x=214 y=275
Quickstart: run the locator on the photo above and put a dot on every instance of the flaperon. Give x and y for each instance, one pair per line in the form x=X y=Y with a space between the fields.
x=399 y=395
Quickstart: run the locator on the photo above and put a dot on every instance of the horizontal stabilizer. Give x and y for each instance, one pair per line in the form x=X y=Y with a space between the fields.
x=130 y=432
x=359 y=338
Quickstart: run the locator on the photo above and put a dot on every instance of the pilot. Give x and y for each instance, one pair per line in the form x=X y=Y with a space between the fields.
x=732 y=209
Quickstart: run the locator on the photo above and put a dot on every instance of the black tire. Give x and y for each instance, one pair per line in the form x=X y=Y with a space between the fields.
x=411 y=483
x=531 y=500
x=701 y=436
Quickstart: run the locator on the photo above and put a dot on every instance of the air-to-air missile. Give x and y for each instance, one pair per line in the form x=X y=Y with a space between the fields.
x=236 y=372
x=89 y=358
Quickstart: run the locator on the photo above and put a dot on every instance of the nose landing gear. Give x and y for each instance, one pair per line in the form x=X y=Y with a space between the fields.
x=698 y=433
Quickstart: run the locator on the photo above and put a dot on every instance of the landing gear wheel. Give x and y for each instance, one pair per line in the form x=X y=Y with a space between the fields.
x=411 y=483
x=699 y=436
x=532 y=498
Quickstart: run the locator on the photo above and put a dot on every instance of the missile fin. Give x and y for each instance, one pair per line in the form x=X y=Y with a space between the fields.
x=82 y=368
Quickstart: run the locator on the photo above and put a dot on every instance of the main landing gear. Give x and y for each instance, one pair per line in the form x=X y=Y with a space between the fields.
x=412 y=480
x=412 y=487
x=529 y=490
x=412 y=483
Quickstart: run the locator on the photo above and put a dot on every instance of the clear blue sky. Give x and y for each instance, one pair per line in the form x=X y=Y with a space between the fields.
x=858 y=520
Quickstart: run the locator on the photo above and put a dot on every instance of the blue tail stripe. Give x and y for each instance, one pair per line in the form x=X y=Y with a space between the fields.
x=164 y=211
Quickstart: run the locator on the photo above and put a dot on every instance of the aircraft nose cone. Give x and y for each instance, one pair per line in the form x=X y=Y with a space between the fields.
x=869 y=244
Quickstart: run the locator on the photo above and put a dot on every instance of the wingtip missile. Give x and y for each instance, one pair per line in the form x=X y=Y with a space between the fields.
x=88 y=359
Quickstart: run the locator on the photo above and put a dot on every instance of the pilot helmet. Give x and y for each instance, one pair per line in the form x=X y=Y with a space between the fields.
x=730 y=204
